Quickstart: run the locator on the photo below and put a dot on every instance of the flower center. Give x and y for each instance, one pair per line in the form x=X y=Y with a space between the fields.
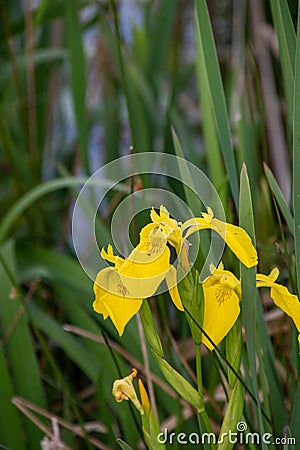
x=223 y=294
x=157 y=240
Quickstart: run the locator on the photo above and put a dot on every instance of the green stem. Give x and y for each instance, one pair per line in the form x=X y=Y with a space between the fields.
x=199 y=369
x=203 y=419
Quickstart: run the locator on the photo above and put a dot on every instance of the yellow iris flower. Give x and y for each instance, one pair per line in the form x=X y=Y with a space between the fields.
x=222 y=294
x=119 y=290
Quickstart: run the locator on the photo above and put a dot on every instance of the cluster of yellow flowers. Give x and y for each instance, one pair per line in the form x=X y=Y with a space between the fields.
x=120 y=289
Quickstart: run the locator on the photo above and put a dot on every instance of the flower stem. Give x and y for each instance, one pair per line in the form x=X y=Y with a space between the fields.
x=147 y=365
x=203 y=419
x=199 y=369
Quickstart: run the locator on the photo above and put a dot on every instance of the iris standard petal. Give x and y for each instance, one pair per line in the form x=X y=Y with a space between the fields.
x=170 y=227
x=163 y=217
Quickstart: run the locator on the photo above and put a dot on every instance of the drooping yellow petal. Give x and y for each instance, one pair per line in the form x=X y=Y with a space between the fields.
x=286 y=301
x=171 y=280
x=222 y=292
x=100 y=307
x=121 y=310
x=147 y=265
x=235 y=237
x=221 y=310
x=113 y=299
x=238 y=241
x=108 y=280
x=289 y=303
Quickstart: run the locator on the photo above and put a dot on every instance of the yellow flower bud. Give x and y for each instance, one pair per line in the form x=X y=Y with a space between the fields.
x=123 y=389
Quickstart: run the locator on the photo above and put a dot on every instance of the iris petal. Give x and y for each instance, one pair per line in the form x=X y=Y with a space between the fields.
x=121 y=310
x=235 y=237
x=113 y=299
x=281 y=296
x=221 y=310
x=143 y=271
x=171 y=280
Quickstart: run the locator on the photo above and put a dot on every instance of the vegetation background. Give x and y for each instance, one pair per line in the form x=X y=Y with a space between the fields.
x=80 y=82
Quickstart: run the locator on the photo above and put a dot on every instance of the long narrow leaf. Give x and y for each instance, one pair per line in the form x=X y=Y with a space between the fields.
x=78 y=78
x=287 y=47
x=284 y=208
x=71 y=346
x=294 y=425
x=206 y=40
x=10 y=420
x=296 y=155
x=249 y=297
x=37 y=192
x=25 y=372
x=213 y=154
x=161 y=36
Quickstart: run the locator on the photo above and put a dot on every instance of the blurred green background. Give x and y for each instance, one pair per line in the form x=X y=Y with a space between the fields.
x=81 y=82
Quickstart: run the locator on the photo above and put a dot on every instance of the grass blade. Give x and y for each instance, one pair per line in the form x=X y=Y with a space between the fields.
x=71 y=346
x=123 y=445
x=286 y=36
x=160 y=37
x=296 y=155
x=276 y=398
x=37 y=192
x=10 y=420
x=193 y=201
x=284 y=208
x=213 y=155
x=78 y=78
x=249 y=294
x=206 y=41
x=294 y=425
x=24 y=368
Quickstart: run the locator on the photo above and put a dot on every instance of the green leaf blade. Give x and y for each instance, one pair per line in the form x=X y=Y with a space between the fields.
x=206 y=40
